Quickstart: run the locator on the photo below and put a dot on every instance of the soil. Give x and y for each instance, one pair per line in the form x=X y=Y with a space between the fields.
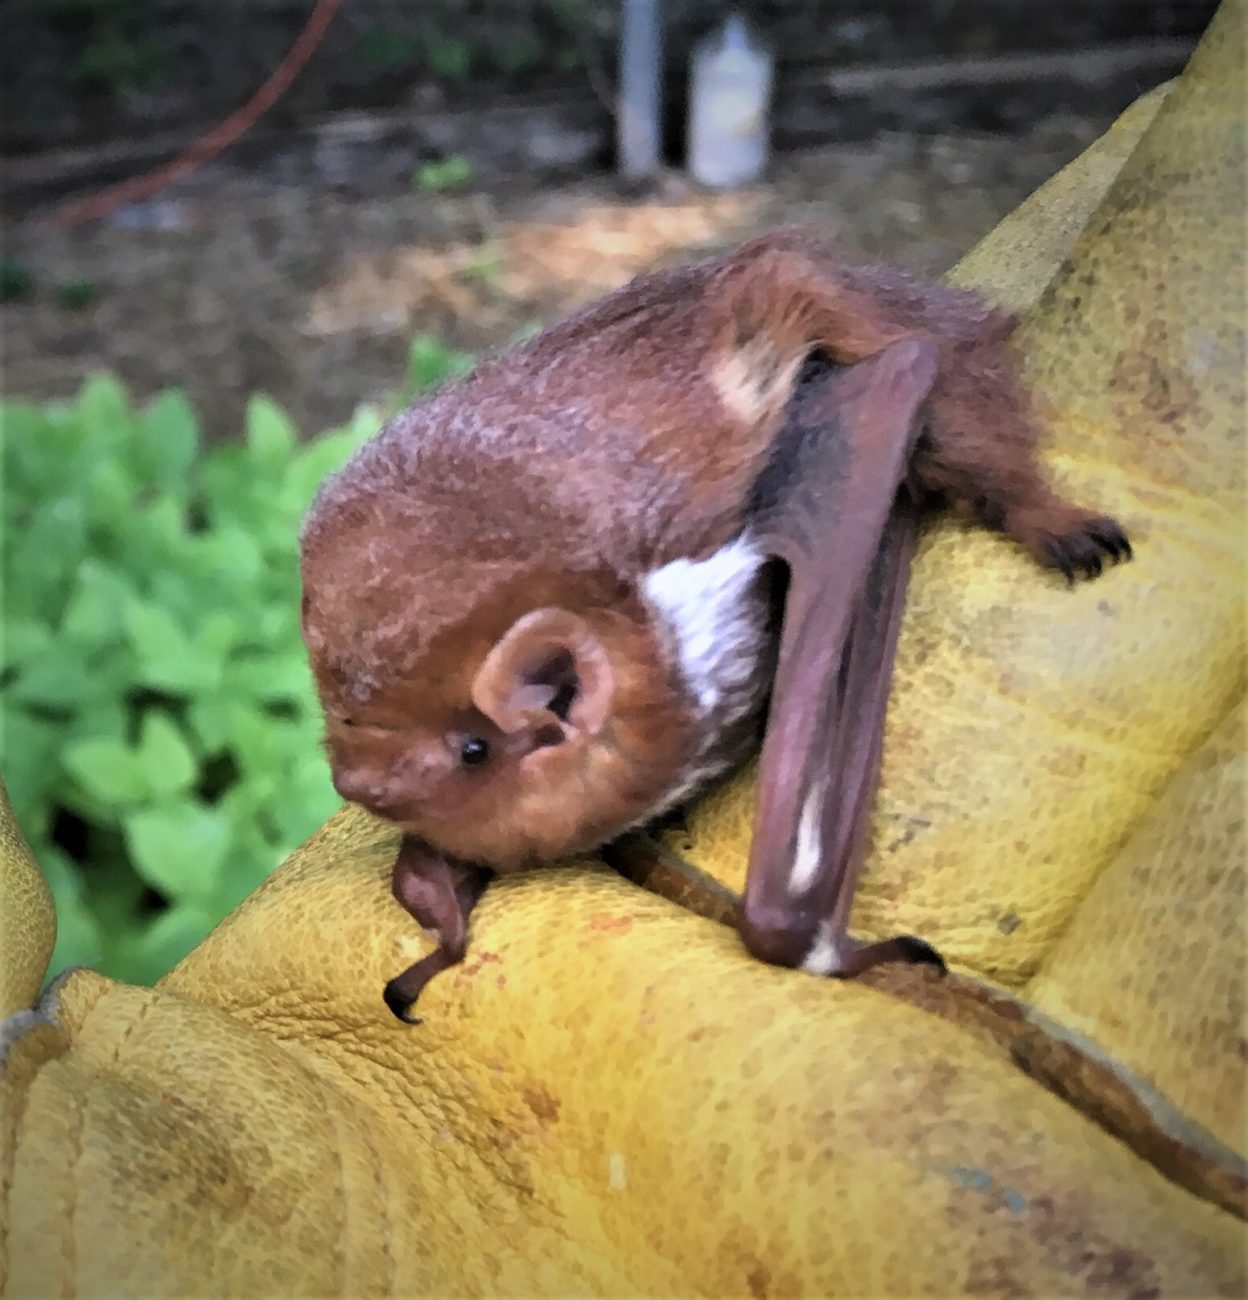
x=306 y=277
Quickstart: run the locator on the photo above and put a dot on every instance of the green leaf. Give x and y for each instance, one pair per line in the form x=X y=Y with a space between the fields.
x=104 y=717
x=28 y=759
x=62 y=682
x=104 y=409
x=228 y=555
x=168 y=763
x=271 y=677
x=107 y=769
x=307 y=799
x=30 y=452
x=46 y=553
x=163 y=942
x=312 y=466
x=94 y=611
x=179 y=850
x=167 y=439
x=168 y=659
x=210 y=717
x=23 y=640
x=270 y=434
x=260 y=743
x=252 y=860
x=108 y=495
x=219 y=631
x=430 y=363
x=79 y=937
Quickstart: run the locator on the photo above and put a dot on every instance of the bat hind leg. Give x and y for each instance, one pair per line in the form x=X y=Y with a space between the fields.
x=826 y=947
x=978 y=453
x=440 y=895
x=851 y=958
x=1064 y=537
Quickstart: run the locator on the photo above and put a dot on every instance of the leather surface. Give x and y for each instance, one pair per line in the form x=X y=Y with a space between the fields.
x=27 y=918
x=609 y=1097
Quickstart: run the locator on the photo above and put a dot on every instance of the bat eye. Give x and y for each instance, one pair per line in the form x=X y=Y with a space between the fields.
x=474 y=751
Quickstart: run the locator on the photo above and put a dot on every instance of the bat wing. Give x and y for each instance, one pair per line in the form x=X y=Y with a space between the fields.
x=837 y=513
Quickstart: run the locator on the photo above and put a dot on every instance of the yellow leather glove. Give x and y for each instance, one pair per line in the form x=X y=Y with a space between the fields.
x=609 y=1097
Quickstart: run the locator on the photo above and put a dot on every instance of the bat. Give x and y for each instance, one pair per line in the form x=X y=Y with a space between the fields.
x=557 y=598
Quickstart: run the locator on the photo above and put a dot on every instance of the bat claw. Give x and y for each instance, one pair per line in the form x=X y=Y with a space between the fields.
x=400 y=1001
x=905 y=948
x=1081 y=549
x=919 y=952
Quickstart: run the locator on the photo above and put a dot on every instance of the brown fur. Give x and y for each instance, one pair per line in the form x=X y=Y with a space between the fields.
x=561 y=473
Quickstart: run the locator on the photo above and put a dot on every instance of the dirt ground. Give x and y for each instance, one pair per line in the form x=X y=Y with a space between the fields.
x=290 y=280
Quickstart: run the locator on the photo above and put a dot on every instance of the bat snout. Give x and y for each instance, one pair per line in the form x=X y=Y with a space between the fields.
x=380 y=796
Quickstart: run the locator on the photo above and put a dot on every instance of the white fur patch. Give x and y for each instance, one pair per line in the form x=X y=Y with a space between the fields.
x=715 y=620
x=809 y=839
x=826 y=955
x=752 y=380
x=717 y=628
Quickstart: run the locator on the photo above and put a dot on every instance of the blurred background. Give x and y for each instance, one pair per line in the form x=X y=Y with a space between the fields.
x=404 y=184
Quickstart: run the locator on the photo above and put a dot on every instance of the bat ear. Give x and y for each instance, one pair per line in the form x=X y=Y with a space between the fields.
x=549 y=662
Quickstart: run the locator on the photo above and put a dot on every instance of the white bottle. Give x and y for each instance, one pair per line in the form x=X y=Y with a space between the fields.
x=729 y=106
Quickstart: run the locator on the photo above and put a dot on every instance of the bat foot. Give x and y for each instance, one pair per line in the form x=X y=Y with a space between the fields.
x=1084 y=552
x=907 y=949
x=1075 y=543
x=400 y=1001
x=400 y=993
x=918 y=952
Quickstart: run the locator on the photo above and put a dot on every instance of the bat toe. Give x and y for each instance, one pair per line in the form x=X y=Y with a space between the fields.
x=918 y=952
x=1079 y=546
x=399 y=1001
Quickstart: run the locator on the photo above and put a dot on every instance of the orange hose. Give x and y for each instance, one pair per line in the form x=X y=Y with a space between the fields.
x=100 y=204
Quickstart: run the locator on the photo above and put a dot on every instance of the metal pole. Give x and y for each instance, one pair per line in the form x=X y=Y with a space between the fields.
x=638 y=111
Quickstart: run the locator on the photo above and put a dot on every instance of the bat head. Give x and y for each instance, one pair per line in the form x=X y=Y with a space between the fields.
x=518 y=735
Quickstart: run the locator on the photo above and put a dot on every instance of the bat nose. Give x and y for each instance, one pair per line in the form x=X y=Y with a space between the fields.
x=369 y=790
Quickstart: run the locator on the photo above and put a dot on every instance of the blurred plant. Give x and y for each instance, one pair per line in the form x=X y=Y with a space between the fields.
x=114 y=49
x=158 y=730
x=446 y=56
x=16 y=281
x=124 y=61
x=517 y=49
x=77 y=295
x=387 y=49
x=431 y=363
x=450 y=173
x=486 y=266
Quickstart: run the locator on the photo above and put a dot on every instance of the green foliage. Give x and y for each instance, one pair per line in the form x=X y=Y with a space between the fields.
x=112 y=44
x=16 y=281
x=450 y=173
x=158 y=729
x=387 y=49
x=448 y=57
x=517 y=49
x=431 y=363
x=77 y=295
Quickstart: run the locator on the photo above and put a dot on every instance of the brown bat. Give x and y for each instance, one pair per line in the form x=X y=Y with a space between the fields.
x=549 y=603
